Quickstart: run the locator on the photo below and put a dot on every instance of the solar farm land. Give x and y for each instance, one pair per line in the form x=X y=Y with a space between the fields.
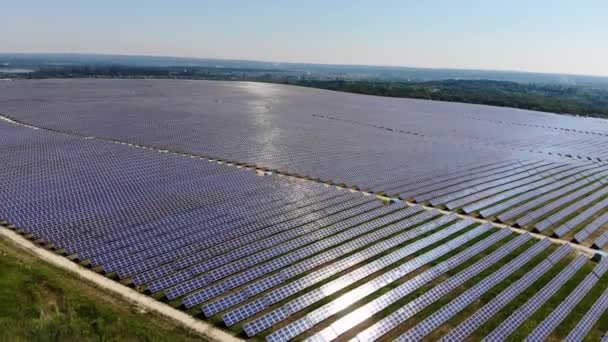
x=287 y=213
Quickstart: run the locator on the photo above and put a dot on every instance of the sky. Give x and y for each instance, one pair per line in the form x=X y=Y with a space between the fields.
x=558 y=36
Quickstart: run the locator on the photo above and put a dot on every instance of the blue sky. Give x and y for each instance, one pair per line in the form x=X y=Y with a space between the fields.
x=564 y=36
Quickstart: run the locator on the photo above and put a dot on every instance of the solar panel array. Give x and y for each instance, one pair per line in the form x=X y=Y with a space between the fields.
x=271 y=256
x=519 y=171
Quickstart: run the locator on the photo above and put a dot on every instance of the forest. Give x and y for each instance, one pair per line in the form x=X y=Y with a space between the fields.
x=584 y=100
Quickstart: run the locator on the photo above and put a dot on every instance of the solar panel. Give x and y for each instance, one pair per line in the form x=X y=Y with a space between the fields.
x=511 y=214
x=593 y=315
x=430 y=181
x=508 y=326
x=501 y=196
x=547 y=208
x=526 y=182
x=559 y=216
x=543 y=330
x=513 y=176
x=405 y=312
x=439 y=317
x=182 y=216
x=591 y=228
x=580 y=218
x=361 y=233
x=601 y=241
x=448 y=311
x=473 y=322
x=316 y=276
x=335 y=285
x=358 y=315
x=203 y=261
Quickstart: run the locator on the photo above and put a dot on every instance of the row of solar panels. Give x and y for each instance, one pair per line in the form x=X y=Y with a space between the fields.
x=273 y=127
x=274 y=256
x=465 y=233
x=530 y=123
x=289 y=310
x=564 y=200
x=506 y=188
x=264 y=253
x=572 y=144
x=352 y=241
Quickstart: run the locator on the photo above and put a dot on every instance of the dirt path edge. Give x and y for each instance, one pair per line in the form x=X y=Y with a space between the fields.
x=126 y=293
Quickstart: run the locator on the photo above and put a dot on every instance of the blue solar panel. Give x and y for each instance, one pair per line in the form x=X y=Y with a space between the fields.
x=552 y=321
x=327 y=289
x=508 y=326
x=591 y=317
x=439 y=317
x=400 y=315
x=146 y=182
x=357 y=316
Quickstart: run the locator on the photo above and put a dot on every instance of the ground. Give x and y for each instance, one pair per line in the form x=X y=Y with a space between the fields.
x=42 y=303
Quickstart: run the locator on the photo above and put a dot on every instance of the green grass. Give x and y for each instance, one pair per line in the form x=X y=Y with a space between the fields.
x=438 y=304
x=487 y=296
x=42 y=303
x=581 y=309
x=519 y=301
x=394 y=306
x=366 y=279
x=548 y=307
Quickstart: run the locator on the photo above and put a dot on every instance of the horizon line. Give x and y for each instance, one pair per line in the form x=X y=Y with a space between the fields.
x=303 y=63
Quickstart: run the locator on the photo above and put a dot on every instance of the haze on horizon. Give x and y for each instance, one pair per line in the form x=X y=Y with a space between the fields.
x=559 y=36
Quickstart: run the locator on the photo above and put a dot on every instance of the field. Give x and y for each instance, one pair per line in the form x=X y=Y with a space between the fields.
x=284 y=213
x=42 y=303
